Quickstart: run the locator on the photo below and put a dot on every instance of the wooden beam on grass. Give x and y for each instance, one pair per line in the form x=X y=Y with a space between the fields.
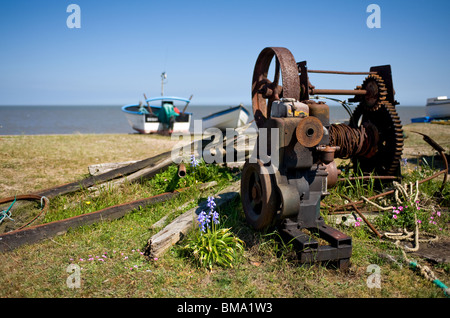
x=110 y=175
x=150 y=164
x=34 y=234
x=100 y=168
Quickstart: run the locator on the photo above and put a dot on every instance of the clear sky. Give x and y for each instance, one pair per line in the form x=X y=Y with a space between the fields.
x=209 y=48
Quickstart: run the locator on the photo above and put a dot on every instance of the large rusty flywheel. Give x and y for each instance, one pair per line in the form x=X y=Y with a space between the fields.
x=284 y=85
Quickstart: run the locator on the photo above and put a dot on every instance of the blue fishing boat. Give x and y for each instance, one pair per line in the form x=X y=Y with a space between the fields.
x=168 y=117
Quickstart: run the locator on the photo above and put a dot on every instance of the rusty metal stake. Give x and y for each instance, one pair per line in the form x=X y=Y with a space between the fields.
x=362 y=216
x=341 y=72
x=441 y=151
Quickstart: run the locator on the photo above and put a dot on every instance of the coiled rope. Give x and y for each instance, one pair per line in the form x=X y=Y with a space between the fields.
x=7 y=213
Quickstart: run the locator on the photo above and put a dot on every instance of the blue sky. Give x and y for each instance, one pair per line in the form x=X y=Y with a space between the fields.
x=209 y=48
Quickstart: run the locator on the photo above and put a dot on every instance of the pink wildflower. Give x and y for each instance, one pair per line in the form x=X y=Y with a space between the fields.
x=395 y=216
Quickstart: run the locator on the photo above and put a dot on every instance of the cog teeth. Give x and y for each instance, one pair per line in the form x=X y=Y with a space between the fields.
x=388 y=160
x=382 y=91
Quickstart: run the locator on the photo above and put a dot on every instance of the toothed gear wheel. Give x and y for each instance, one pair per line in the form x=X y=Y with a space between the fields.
x=376 y=92
x=386 y=160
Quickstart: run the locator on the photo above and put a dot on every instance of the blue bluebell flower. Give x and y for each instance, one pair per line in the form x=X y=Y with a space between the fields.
x=194 y=162
x=211 y=204
x=404 y=162
x=215 y=217
x=203 y=220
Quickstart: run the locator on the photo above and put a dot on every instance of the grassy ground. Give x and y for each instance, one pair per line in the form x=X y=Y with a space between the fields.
x=109 y=253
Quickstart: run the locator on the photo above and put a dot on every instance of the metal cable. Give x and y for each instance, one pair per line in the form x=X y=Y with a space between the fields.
x=352 y=142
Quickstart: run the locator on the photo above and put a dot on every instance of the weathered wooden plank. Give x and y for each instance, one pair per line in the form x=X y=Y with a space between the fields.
x=100 y=168
x=144 y=173
x=116 y=173
x=33 y=234
x=159 y=243
x=93 y=180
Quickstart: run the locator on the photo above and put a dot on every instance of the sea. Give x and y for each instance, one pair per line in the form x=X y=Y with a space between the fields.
x=61 y=120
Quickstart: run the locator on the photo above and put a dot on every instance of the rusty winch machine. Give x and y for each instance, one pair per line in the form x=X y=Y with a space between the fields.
x=288 y=196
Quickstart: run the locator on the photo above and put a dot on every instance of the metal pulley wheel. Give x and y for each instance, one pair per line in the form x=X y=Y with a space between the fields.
x=264 y=90
x=309 y=132
x=258 y=195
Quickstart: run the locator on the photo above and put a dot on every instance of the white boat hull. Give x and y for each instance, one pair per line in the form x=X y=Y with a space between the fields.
x=230 y=118
x=438 y=107
x=145 y=120
x=138 y=122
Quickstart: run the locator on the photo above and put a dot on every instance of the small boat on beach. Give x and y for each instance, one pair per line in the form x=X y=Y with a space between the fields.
x=437 y=109
x=164 y=119
x=233 y=117
x=151 y=118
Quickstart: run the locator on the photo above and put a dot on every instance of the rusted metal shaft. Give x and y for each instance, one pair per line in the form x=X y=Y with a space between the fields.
x=181 y=170
x=337 y=91
x=341 y=72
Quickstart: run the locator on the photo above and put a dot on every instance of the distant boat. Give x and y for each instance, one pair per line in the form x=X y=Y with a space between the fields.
x=438 y=107
x=146 y=119
x=233 y=117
